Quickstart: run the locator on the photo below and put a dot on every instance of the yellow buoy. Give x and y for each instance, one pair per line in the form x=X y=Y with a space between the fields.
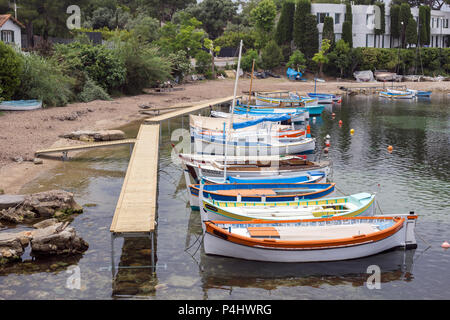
x=352 y=131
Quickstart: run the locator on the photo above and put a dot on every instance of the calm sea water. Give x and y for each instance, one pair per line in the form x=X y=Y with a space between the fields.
x=414 y=177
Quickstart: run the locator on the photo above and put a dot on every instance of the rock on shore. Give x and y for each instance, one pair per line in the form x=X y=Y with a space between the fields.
x=50 y=238
x=15 y=209
x=102 y=135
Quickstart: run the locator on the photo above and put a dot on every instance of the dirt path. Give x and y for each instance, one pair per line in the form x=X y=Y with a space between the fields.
x=22 y=133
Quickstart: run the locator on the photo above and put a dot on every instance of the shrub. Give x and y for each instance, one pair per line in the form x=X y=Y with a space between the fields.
x=271 y=55
x=92 y=91
x=43 y=79
x=203 y=62
x=181 y=65
x=247 y=60
x=144 y=66
x=297 y=60
x=10 y=69
x=98 y=62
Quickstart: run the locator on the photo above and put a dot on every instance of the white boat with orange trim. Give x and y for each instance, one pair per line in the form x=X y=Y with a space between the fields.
x=313 y=240
x=360 y=204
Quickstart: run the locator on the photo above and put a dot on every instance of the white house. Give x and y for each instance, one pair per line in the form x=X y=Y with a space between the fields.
x=10 y=30
x=363 y=24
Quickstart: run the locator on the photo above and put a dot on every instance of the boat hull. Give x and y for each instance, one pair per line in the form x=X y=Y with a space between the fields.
x=221 y=244
x=203 y=146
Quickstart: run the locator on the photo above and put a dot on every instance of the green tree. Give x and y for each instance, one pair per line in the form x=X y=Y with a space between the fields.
x=247 y=60
x=264 y=15
x=411 y=31
x=311 y=36
x=404 y=18
x=10 y=70
x=320 y=58
x=187 y=36
x=395 y=21
x=340 y=56
x=297 y=61
x=302 y=10
x=283 y=34
x=163 y=10
x=347 y=26
x=423 y=35
x=271 y=55
x=328 y=29
x=214 y=15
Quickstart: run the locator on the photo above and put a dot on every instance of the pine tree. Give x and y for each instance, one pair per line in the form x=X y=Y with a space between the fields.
x=328 y=30
x=347 y=28
x=302 y=9
x=411 y=31
x=395 y=21
x=404 y=17
x=285 y=24
x=311 y=37
x=423 y=35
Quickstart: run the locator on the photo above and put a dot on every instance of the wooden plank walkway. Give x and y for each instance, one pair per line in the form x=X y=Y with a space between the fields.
x=136 y=207
x=198 y=106
x=85 y=146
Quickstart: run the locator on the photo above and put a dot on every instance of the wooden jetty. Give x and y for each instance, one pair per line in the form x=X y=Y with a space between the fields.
x=65 y=149
x=136 y=211
x=371 y=89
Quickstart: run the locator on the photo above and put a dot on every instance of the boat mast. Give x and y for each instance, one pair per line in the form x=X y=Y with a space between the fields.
x=251 y=82
x=230 y=126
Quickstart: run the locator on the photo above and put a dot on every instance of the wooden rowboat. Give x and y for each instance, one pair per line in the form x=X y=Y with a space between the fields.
x=360 y=204
x=327 y=239
x=20 y=105
x=257 y=192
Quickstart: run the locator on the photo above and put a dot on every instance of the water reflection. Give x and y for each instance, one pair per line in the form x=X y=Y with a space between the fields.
x=226 y=273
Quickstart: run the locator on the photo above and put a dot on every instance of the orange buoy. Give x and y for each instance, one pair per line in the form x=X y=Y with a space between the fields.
x=390 y=148
x=327 y=143
x=445 y=245
x=340 y=123
x=308 y=129
x=352 y=131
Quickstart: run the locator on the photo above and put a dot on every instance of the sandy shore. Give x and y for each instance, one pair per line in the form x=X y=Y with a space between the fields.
x=25 y=132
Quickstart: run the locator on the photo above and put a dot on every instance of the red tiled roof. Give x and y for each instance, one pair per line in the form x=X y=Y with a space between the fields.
x=6 y=17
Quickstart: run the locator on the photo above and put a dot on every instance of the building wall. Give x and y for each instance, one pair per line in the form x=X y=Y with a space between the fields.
x=364 y=36
x=10 y=25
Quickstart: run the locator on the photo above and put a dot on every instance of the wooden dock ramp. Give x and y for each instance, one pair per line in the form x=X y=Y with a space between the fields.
x=136 y=207
x=86 y=146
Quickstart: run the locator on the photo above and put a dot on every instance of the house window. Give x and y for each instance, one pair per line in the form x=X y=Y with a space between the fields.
x=7 y=36
x=432 y=22
x=445 y=23
x=337 y=17
x=321 y=16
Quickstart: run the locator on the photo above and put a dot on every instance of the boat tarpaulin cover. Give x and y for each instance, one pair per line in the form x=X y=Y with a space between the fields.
x=245 y=124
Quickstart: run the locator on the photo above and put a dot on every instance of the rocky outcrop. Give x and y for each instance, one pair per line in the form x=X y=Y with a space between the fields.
x=102 y=135
x=50 y=238
x=12 y=245
x=57 y=239
x=38 y=205
x=10 y=200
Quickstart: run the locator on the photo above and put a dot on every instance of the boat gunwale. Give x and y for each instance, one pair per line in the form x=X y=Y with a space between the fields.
x=213 y=229
x=331 y=186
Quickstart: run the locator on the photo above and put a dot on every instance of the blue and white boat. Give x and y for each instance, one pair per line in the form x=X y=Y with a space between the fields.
x=396 y=94
x=313 y=110
x=325 y=97
x=300 y=177
x=259 y=192
x=420 y=93
x=20 y=105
